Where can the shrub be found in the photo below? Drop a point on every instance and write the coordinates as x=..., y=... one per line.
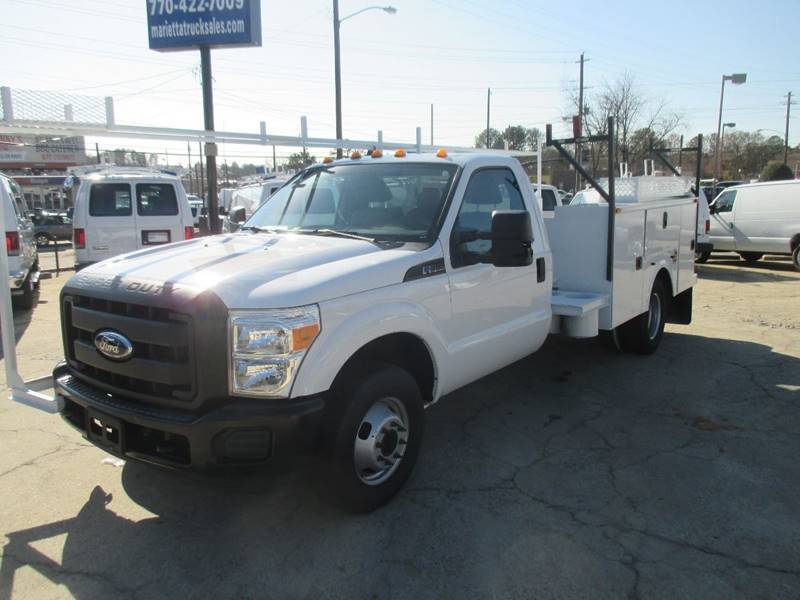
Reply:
x=775, y=171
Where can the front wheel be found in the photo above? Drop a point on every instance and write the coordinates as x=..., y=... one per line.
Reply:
x=751, y=257
x=42, y=239
x=643, y=334
x=377, y=438
x=796, y=258
x=27, y=299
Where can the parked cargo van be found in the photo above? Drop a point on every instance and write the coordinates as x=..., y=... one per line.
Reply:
x=119, y=210
x=23, y=258
x=757, y=219
x=250, y=197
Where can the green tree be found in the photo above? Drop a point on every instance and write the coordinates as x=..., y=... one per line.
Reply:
x=775, y=171
x=300, y=160
x=495, y=139
x=516, y=136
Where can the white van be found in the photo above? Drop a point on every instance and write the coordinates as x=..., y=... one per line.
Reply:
x=197, y=207
x=757, y=219
x=703, y=247
x=118, y=210
x=550, y=198
x=23, y=258
x=250, y=197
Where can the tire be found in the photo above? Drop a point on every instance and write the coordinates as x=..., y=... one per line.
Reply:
x=702, y=257
x=642, y=334
x=376, y=439
x=796, y=258
x=751, y=257
x=42, y=239
x=28, y=297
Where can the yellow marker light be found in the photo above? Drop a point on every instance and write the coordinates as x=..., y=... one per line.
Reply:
x=400, y=153
x=302, y=337
x=376, y=154
x=327, y=159
x=355, y=155
x=441, y=153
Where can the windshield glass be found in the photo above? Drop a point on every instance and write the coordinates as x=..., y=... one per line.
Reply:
x=389, y=201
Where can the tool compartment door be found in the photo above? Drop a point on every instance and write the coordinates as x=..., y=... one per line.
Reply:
x=662, y=242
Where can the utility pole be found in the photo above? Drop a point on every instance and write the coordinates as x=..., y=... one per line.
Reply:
x=786, y=135
x=338, y=75
x=578, y=151
x=210, y=147
x=202, y=174
x=274, y=160
x=488, y=114
x=97, y=151
x=431, y=124
x=189, y=154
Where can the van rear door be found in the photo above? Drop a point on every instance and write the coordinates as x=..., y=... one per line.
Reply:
x=110, y=223
x=158, y=218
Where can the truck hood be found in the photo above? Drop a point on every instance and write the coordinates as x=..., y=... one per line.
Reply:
x=261, y=270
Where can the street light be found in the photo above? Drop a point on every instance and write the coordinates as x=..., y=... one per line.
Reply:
x=735, y=79
x=336, y=55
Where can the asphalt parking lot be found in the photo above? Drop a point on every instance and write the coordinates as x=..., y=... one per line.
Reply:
x=575, y=473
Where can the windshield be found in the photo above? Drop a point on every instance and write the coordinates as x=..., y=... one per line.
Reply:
x=389, y=201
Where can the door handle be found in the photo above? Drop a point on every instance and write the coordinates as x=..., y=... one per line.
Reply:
x=731, y=224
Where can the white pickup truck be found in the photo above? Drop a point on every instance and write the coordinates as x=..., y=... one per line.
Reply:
x=360, y=294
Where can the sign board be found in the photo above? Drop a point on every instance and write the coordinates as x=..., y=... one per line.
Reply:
x=189, y=24
x=25, y=151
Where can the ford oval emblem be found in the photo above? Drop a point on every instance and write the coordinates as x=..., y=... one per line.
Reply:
x=113, y=345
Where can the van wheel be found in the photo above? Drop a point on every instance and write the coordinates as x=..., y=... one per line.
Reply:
x=28, y=297
x=751, y=257
x=42, y=239
x=643, y=334
x=796, y=258
x=702, y=257
x=376, y=440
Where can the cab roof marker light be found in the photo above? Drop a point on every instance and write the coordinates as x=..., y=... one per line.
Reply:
x=400, y=153
x=376, y=154
x=355, y=155
x=441, y=153
x=327, y=159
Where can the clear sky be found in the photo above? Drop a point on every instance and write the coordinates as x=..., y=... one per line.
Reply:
x=441, y=52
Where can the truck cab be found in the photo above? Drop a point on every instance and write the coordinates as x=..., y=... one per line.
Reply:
x=364, y=291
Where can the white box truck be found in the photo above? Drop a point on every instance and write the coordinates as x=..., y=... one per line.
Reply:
x=363, y=292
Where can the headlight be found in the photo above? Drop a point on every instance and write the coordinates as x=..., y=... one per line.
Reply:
x=267, y=347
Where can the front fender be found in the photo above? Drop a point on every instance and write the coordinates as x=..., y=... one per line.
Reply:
x=348, y=325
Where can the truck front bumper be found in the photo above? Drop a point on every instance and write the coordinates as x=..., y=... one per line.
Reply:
x=238, y=432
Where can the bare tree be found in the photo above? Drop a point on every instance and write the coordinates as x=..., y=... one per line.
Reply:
x=638, y=119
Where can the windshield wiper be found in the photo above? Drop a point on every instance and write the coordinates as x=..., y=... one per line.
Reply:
x=337, y=233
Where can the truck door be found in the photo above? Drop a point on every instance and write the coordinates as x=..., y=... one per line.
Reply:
x=110, y=222
x=500, y=314
x=723, y=229
x=158, y=218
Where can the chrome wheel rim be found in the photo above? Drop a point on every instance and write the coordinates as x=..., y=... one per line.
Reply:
x=654, y=316
x=381, y=441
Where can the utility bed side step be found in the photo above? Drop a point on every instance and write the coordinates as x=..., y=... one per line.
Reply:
x=577, y=314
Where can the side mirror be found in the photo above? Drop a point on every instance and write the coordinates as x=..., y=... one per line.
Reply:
x=712, y=208
x=512, y=236
x=237, y=215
